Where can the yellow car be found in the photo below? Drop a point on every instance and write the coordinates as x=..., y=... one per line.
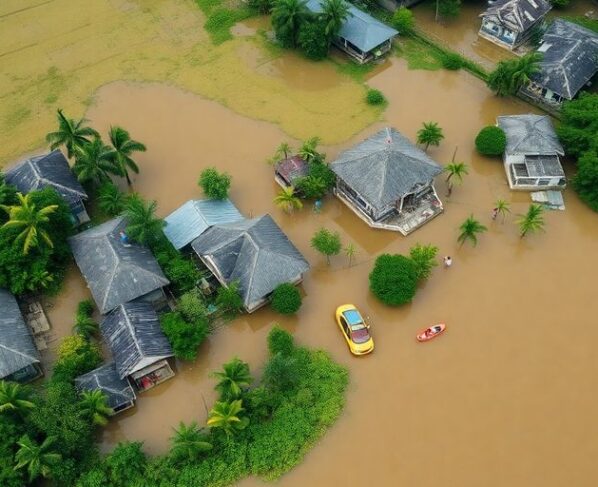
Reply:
x=355, y=330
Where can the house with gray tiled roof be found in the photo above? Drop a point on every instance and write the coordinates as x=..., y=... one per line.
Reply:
x=119, y=393
x=50, y=170
x=255, y=253
x=117, y=270
x=509, y=23
x=19, y=359
x=532, y=154
x=361, y=36
x=388, y=182
x=569, y=62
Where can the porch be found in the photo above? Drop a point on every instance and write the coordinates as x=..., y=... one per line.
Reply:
x=359, y=55
x=152, y=375
x=536, y=171
x=498, y=35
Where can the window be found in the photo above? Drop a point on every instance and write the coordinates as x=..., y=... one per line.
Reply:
x=345, y=326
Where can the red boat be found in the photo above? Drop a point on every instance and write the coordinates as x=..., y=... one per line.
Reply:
x=431, y=332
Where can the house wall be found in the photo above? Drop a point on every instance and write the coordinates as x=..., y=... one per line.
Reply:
x=498, y=33
x=26, y=374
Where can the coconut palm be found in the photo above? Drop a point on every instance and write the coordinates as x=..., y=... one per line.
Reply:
x=15, y=397
x=72, y=134
x=93, y=162
x=470, y=229
x=38, y=459
x=287, y=18
x=110, y=199
x=282, y=152
x=143, y=225
x=226, y=416
x=350, y=252
x=287, y=200
x=523, y=69
x=86, y=327
x=94, y=406
x=188, y=442
x=123, y=147
x=502, y=208
x=39, y=279
x=430, y=134
x=309, y=150
x=31, y=220
x=334, y=14
x=532, y=221
x=455, y=172
x=234, y=376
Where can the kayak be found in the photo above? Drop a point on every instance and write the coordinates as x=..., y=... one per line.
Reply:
x=430, y=332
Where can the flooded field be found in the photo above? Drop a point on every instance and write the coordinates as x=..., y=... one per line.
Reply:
x=505, y=398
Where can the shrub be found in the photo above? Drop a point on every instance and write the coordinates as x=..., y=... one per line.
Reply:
x=192, y=307
x=403, y=21
x=311, y=187
x=579, y=124
x=286, y=299
x=261, y=6
x=491, y=141
x=215, y=185
x=394, y=279
x=110, y=200
x=424, y=257
x=313, y=41
x=560, y=3
x=229, y=300
x=585, y=181
x=452, y=61
x=375, y=97
x=326, y=242
x=280, y=341
x=182, y=272
x=319, y=169
x=185, y=338
x=76, y=356
x=85, y=308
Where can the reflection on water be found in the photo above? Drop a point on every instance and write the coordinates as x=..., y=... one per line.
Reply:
x=501, y=399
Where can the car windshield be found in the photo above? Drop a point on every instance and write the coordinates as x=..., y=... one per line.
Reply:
x=359, y=331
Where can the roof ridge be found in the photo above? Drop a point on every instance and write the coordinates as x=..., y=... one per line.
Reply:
x=54, y=183
x=113, y=272
x=17, y=352
x=132, y=330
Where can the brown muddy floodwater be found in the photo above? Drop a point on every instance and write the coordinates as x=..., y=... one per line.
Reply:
x=505, y=398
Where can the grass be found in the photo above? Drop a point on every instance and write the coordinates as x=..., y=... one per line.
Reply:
x=356, y=71
x=220, y=19
x=418, y=55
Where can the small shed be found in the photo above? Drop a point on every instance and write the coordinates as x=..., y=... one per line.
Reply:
x=139, y=347
x=531, y=157
x=117, y=270
x=19, y=359
x=361, y=36
x=256, y=253
x=388, y=182
x=509, y=23
x=189, y=221
x=569, y=61
x=50, y=170
x=290, y=170
x=119, y=393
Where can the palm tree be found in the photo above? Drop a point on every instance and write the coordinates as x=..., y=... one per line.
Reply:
x=93, y=162
x=334, y=14
x=350, y=252
x=110, y=199
x=532, y=221
x=282, y=152
x=124, y=146
x=188, y=442
x=94, y=406
x=14, y=397
x=287, y=200
x=309, y=150
x=455, y=170
x=32, y=221
x=86, y=327
x=39, y=279
x=226, y=417
x=37, y=458
x=233, y=377
x=469, y=231
x=430, y=134
x=523, y=69
x=287, y=17
x=144, y=227
x=502, y=208
x=72, y=134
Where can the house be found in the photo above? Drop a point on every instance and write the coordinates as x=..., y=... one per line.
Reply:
x=116, y=270
x=119, y=393
x=189, y=221
x=290, y=170
x=509, y=23
x=392, y=5
x=362, y=36
x=139, y=347
x=19, y=359
x=531, y=157
x=51, y=170
x=570, y=60
x=388, y=182
x=256, y=253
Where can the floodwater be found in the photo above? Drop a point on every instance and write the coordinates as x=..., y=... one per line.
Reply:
x=505, y=397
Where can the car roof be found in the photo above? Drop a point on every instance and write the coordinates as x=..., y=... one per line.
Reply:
x=353, y=317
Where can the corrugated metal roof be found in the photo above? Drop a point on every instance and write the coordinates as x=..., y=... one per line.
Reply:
x=518, y=15
x=17, y=350
x=360, y=29
x=105, y=378
x=530, y=134
x=189, y=221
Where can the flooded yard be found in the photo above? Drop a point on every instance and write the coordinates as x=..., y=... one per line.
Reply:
x=505, y=397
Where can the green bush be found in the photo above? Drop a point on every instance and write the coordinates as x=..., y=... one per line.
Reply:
x=424, y=257
x=215, y=185
x=452, y=61
x=311, y=187
x=327, y=243
x=76, y=356
x=375, y=97
x=262, y=6
x=192, y=307
x=313, y=41
x=181, y=271
x=394, y=279
x=229, y=300
x=403, y=21
x=491, y=141
x=585, y=181
x=280, y=341
x=286, y=299
x=579, y=124
x=560, y=3
x=85, y=308
x=184, y=337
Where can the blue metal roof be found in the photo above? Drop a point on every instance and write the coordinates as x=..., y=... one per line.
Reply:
x=360, y=29
x=189, y=221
